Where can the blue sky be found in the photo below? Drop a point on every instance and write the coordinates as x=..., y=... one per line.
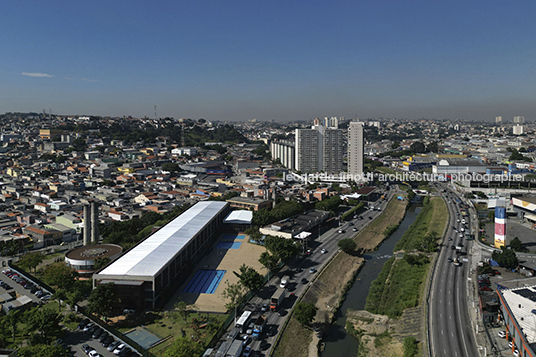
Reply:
x=281, y=60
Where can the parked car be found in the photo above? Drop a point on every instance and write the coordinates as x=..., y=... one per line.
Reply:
x=125, y=352
x=119, y=348
x=86, y=348
x=303, y=281
x=312, y=270
x=323, y=251
x=83, y=323
x=98, y=331
x=246, y=340
x=88, y=326
x=112, y=346
x=107, y=341
x=354, y=229
x=264, y=307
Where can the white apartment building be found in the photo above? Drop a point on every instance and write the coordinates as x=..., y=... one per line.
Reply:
x=355, y=148
x=285, y=151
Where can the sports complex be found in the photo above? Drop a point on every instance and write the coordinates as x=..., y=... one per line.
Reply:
x=191, y=257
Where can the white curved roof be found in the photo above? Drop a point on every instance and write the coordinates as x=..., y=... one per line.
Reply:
x=239, y=217
x=151, y=255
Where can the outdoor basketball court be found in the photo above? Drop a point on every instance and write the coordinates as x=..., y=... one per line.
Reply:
x=143, y=337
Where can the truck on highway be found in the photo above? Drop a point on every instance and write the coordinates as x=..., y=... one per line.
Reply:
x=284, y=281
x=258, y=327
x=243, y=322
x=457, y=262
x=222, y=351
x=277, y=299
x=235, y=350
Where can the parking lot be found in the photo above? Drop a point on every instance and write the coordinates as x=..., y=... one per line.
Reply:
x=23, y=290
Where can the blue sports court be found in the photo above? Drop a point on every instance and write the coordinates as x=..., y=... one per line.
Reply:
x=204, y=282
x=228, y=245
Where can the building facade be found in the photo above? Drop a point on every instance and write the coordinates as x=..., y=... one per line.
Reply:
x=355, y=148
x=319, y=149
x=285, y=151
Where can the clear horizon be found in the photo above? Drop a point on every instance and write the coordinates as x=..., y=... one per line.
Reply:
x=281, y=61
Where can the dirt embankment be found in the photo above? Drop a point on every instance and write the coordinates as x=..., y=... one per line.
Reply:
x=331, y=285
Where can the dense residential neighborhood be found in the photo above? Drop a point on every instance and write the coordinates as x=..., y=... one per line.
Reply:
x=130, y=221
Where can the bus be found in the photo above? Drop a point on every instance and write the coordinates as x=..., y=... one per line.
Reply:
x=243, y=321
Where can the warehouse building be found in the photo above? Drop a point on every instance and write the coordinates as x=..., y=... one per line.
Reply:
x=518, y=310
x=145, y=275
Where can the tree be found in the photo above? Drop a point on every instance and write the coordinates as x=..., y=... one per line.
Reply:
x=30, y=261
x=60, y=275
x=60, y=295
x=417, y=147
x=171, y=167
x=45, y=322
x=433, y=147
x=516, y=245
x=233, y=293
x=305, y=312
x=101, y=299
x=506, y=258
x=101, y=262
x=269, y=261
x=42, y=350
x=184, y=309
x=184, y=347
x=13, y=319
x=429, y=242
x=347, y=245
x=249, y=277
x=280, y=247
x=410, y=346
x=516, y=156
x=74, y=297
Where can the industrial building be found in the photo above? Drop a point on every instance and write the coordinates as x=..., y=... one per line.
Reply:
x=518, y=307
x=146, y=274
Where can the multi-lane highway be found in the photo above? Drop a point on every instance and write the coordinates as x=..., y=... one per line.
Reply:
x=449, y=325
x=300, y=269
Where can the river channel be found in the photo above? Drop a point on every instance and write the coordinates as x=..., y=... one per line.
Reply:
x=338, y=343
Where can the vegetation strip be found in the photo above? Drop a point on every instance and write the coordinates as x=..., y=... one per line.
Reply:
x=331, y=286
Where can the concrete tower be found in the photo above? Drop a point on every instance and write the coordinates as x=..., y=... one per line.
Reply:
x=94, y=222
x=87, y=225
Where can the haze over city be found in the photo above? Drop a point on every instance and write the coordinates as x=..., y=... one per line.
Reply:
x=278, y=60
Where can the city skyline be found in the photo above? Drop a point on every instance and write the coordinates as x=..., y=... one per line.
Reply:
x=271, y=61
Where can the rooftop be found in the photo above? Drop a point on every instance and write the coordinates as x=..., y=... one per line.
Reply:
x=151, y=255
x=522, y=303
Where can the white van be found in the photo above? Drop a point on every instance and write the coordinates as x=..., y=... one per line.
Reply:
x=284, y=281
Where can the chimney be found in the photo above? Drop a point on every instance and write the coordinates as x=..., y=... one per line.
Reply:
x=87, y=225
x=94, y=222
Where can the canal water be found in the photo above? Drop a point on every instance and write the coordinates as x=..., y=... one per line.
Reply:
x=338, y=343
